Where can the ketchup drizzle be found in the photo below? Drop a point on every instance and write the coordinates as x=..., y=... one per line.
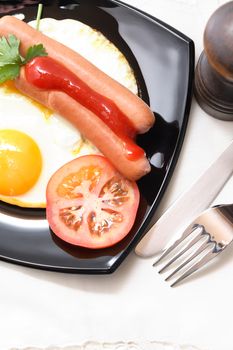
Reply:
x=46, y=73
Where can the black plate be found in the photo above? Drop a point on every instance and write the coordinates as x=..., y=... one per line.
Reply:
x=163, y=61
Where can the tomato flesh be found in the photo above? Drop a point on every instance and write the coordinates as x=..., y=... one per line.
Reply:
x=90, y=204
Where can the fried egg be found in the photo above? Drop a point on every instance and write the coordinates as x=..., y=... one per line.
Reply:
x=34, y=141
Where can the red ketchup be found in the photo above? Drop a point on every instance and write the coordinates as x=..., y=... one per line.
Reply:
x=46, y=73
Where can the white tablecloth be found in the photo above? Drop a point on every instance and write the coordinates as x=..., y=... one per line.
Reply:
x=39, y=308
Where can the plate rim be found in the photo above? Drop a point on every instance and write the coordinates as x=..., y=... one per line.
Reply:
x=176, y=152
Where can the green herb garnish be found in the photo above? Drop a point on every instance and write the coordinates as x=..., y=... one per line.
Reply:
x=11, y=60
x=38, y=17
x=34, y=51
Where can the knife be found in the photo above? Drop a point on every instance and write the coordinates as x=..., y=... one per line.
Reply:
x=190, y=204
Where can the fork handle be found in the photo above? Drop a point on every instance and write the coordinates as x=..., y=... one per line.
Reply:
x=189, y=205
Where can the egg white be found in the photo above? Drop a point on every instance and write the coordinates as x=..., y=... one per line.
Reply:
x=58, y=140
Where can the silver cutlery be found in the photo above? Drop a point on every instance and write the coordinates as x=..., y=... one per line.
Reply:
x=207, y=236
x=189, y=205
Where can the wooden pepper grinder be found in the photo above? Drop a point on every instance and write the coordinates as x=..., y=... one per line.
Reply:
x=213, y=86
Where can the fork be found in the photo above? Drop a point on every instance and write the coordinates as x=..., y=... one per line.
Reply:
x=207, y=236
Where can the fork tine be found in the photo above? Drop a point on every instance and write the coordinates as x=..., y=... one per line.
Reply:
x=185, y=234
x=185, y=249
x=202, y=247
x=209, y=256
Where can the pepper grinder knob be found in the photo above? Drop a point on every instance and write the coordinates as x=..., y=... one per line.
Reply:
x=213, y=87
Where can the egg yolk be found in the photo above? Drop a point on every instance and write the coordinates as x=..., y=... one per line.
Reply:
x=20, y=162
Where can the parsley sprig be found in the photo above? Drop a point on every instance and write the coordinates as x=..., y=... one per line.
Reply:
x=11, y=60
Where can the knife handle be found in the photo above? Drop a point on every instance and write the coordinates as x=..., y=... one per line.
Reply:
x=190, y=204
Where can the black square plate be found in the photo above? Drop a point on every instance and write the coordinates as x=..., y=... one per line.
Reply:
x=163, y=61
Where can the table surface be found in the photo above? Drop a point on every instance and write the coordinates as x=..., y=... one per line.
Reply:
x=40, y=308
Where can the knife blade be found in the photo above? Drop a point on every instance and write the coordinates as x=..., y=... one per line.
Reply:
x=190, y=204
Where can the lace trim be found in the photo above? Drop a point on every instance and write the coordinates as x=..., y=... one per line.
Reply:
x=92, y=345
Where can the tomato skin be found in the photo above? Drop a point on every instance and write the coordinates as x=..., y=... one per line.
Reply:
x=90, y=204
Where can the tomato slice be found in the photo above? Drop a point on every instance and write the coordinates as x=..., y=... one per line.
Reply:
x=90, y=204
